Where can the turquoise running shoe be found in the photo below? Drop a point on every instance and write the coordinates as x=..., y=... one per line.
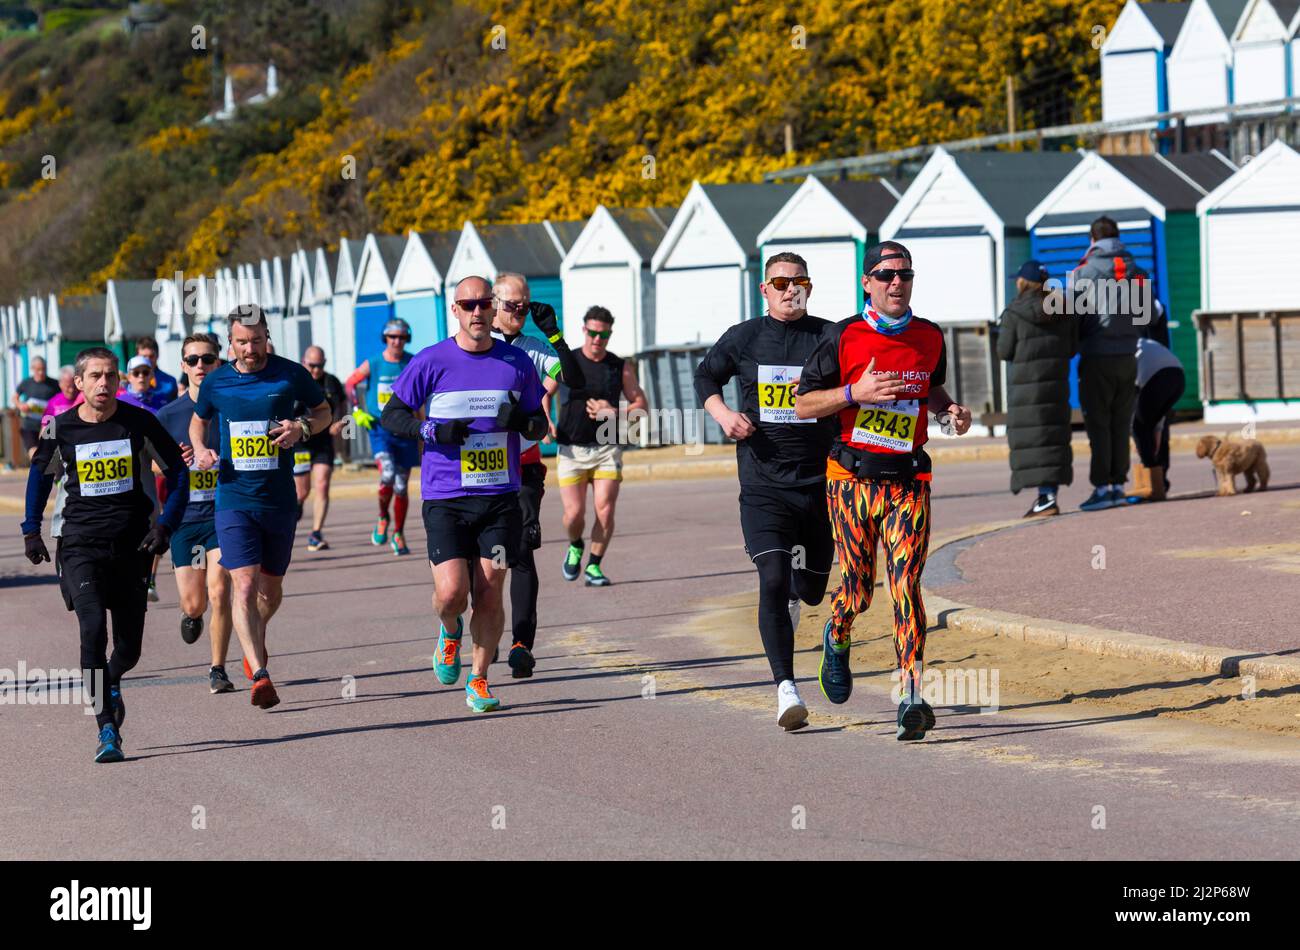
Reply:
x=478, y=697
x=446, y=661
x=835, y=677
x=110, y=745
x=379, y=536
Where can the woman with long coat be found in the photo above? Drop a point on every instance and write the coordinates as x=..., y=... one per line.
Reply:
x=1038, y=345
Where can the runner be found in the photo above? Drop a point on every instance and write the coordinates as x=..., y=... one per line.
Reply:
x=137, y=391
x=66, y=398
x=512, y=302
x=395, y=457
x=880, y=372
x=585, y=454
x=781, y=460
x=255, y=506
x=485, y=395
x=313, y=460
x=100, y=447
x=196, y=556
x=30, y=399
x=163, y=384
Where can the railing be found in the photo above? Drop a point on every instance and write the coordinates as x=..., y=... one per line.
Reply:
x=1248, y=355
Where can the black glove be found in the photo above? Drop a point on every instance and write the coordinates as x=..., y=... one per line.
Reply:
x=544, y=317
x=453, y=432
x=35, y=548
x=510, y=416
x=157, y=540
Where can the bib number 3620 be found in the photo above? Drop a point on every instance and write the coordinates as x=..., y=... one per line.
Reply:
x=251, y=449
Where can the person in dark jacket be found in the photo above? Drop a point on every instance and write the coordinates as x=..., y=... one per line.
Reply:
x=1112, y=296
x=1038, y=345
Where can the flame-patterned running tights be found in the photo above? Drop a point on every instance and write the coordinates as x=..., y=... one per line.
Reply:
x=898, y=515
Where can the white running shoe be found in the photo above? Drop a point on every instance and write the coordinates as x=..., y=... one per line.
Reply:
x=791, y=713
x=795, y=607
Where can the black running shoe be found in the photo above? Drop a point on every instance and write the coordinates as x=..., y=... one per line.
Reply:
x=835, y=677
x=219, y=682
x=913, y=721
x=521, y=662
x=191, y=628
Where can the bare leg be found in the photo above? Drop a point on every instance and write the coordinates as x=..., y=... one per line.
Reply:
x=489, y=617
x=321, y=475
x=247, y=616
x=219, y=597
x=605, y=492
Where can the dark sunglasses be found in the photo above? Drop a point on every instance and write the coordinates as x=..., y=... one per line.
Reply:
x=600, y=334
x=387, y=336
x=781, y=283
x=315, y=365
x=194, y=359
x=475, y=303
x=141, y=372
x=512, y=306
x=886, y=276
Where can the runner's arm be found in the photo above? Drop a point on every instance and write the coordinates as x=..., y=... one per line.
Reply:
x=359, y=376
x=400, y=419
x=164, y=448
x=632, y=390
x=40, y=482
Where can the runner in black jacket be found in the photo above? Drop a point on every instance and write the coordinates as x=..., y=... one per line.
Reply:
x=781, y=462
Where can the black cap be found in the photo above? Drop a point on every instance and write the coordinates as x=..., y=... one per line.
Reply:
x=884, y=251
x=1033, y=271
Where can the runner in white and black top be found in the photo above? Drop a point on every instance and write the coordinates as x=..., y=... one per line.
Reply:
x=103, y=447
x=781, y=461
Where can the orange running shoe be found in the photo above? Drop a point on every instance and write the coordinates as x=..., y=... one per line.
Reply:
x=249, y=671
x=263, y=694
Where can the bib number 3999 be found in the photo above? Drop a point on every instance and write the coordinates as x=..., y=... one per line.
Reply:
x=485, y=460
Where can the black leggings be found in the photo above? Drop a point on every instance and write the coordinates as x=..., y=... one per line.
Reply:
x=1154, y=400
x=776, y=580
x=100, y=578
x=524, y=583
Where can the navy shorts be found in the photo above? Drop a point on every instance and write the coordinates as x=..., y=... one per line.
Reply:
x=250, y=538
x=405, y=453
x=189, y=536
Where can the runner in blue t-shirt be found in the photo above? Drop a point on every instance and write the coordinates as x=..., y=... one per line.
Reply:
x=257, y=504
x=483, y=394
x=196, y=556
x=394, y=456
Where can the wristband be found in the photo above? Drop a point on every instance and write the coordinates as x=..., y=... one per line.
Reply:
x=555, y=339
x=848, y=392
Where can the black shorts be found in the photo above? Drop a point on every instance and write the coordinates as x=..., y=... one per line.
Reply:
x=532, y=487
x=320, y=451
x=29, y=438
x=792, y=520
x=487, y=526
x=114, y=571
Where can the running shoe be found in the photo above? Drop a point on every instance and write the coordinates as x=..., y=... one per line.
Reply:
x=219, y=682
x=153, y=592
x=1118, y=498
x=521, y=661
x=248, y=670
x=379, y=536
x=595, y=577
x=572, y=563
x=263, y=694
x=446, y=658
x=791, y=713
x=795, y=607
x=914, y=719
x=110, y=745
x=1044, y=507
x=191, y=628
x=119, y=706
x=478, y=697
x=1099, y=499
x=316, y=542
x=399, y=544
x=835, y=677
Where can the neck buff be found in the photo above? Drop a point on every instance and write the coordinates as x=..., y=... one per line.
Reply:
x=890, y=326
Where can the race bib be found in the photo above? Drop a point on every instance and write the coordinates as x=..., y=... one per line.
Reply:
x=385, y=393
x=776, y=394
x=203, y=485
x=301, y=462
x=889, y=425
x=484, y=460
x=251, y=449
x=104, y=468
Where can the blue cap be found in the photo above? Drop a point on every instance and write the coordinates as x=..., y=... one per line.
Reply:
x=1033, y=270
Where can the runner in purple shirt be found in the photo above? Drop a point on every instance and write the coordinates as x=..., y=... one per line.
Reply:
x=481, y=394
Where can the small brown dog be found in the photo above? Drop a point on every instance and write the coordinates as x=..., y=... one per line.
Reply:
x=1235, y=457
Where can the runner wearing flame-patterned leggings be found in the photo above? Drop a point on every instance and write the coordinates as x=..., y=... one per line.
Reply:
x=880, y=373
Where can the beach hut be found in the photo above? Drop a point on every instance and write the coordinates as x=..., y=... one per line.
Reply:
x=73, y=324
x=830, y=225
x=1200, y=64
x=534, y=250
x=419, y=285
x=1134, y=57
x=1260, y=51
x=324, y=262
x=1153, y=199
x=297, y=304
x=608, y=265
x=129, y=314
x=342, y=315
x=372, y=294
x=707, y=267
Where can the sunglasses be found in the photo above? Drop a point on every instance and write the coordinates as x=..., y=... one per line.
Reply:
x=475, y=303
x=141, y=372
x=511, y=306
x=387, y=336
x=781, y=283
x=600, y=334
x=315, y=365
x=194, y=359
x=886, y=275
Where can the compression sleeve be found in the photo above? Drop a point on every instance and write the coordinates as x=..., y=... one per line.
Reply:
x=399, y=419
x=359, y=376
x=39, y=485
x=159, y=442
x=716, y=369
x=570, y=368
